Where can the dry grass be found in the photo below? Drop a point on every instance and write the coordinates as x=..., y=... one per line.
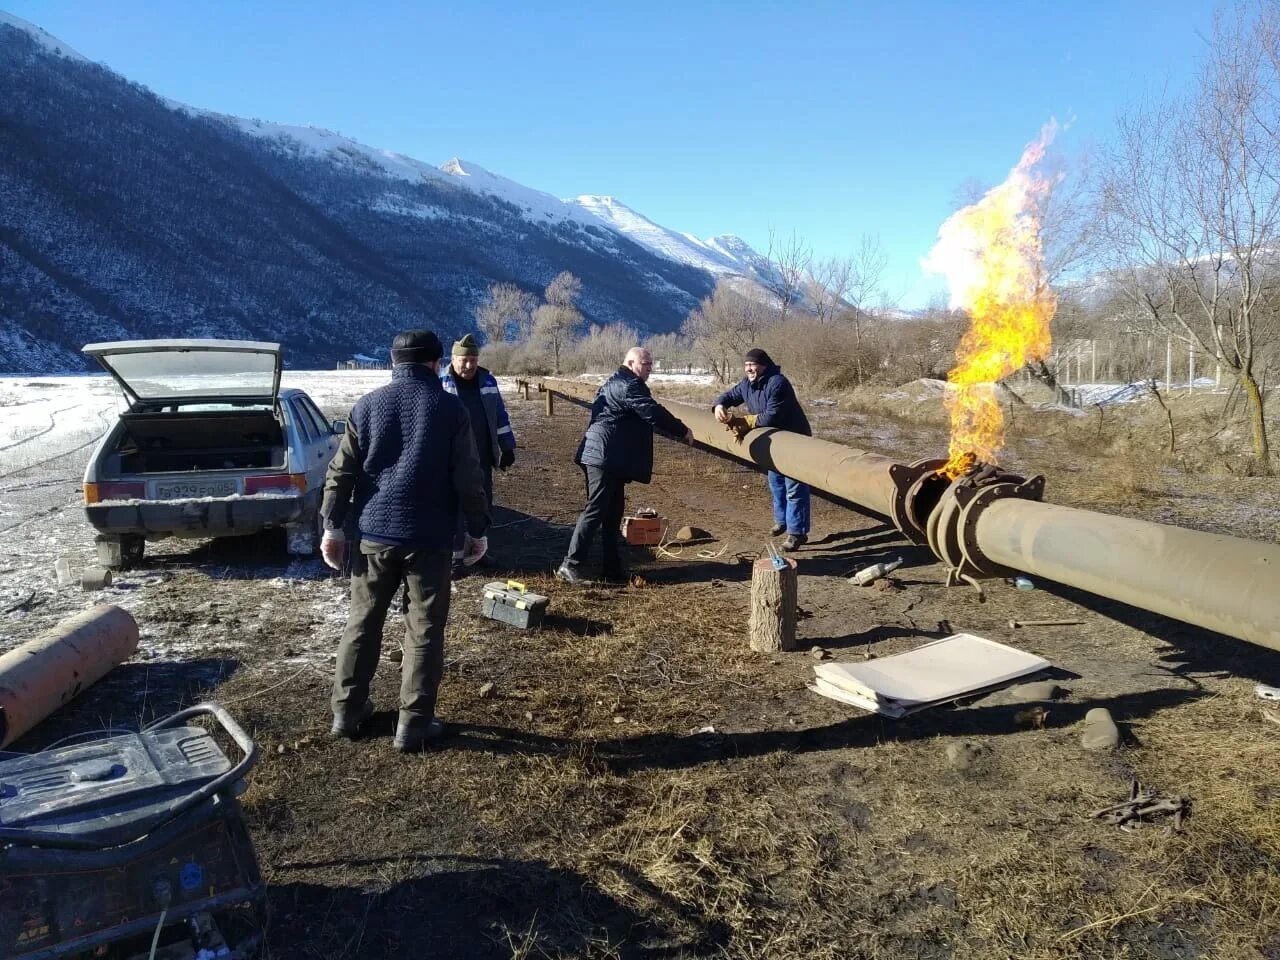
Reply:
x=588, y=810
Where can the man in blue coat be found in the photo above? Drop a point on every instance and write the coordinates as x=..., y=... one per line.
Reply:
x=495, y=441
x=617, y=449
x=406, y=467
x=771, y=402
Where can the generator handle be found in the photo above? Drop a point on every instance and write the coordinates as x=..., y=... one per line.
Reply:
x=42, y=838
x=234, y=730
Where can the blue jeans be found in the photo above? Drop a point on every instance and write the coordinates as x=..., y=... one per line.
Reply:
x=790, y=502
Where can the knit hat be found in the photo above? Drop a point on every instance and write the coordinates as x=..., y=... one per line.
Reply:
x=416, y=346
x=756, y=355
x=466, y=347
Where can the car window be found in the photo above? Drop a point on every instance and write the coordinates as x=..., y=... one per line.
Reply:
x=322, y=425
x=305, y=426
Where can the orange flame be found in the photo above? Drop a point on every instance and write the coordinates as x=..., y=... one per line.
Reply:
x=991, y=255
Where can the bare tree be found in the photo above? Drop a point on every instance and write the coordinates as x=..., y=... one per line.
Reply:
x=723, y=327
x=506, y=313
x=789, y=269
x=866, y=276
x=671, y=350
x=556, y=323
x=1191, y=203
x=603, y=348
x=827, y=286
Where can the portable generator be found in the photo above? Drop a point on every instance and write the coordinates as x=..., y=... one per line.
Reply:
x=130, y=846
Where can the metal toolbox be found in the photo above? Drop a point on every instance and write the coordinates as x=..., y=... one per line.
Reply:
x=510, y=602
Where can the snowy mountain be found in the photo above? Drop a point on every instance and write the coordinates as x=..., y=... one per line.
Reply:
x=126, y=215
x=725, y=256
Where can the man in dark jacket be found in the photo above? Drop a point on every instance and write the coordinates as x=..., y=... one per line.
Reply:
x=406, y=466
x=495, y=441
x=617, y=449
x=771, y=402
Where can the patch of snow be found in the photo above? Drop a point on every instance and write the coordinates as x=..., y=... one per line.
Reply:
x=46, y=40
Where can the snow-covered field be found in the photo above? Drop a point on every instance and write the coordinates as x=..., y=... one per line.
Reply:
x=48, y=429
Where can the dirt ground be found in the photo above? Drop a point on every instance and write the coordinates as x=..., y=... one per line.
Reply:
x=642, y=785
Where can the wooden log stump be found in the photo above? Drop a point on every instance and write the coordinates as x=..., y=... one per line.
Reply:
x=550, y=401
x=772, y=626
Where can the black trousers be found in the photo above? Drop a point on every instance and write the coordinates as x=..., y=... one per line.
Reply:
x=376, y=574
x=606, y=495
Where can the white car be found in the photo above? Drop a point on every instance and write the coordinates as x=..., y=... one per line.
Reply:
x=210, y=446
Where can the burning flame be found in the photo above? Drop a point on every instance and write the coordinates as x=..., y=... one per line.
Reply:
x=991, y=255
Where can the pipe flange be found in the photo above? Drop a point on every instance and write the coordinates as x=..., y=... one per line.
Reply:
x=909, y=480
x=975, y=563
x=943, y=528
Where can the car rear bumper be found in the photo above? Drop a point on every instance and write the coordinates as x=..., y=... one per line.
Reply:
x=209, y=517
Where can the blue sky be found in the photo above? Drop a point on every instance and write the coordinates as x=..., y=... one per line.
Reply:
x=829, y=120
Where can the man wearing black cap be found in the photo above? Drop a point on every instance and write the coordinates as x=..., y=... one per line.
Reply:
x=478, y=390
x=771, y=402
x=406, y=466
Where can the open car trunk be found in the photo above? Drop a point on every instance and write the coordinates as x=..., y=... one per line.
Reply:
x=151, y=442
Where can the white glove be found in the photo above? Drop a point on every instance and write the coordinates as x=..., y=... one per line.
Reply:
x=332, y=547
x=473, y=549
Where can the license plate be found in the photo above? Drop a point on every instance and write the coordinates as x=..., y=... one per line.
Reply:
x=194, y=490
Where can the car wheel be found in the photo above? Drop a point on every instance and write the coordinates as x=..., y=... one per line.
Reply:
x=120, y=553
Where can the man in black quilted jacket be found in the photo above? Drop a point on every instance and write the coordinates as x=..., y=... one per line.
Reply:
x=406, y=467
x=617, y=449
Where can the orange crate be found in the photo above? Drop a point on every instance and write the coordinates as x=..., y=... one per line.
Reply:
x=643, y=531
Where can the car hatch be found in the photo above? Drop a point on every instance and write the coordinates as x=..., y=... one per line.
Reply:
x=159, y=371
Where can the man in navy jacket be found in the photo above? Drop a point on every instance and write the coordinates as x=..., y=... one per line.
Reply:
x=406, y=467
x=617, y=449
x=771, y=402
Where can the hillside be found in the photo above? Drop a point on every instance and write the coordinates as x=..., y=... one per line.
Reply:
x=126, y=215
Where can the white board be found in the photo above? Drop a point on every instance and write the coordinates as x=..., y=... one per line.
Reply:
x=937, y=672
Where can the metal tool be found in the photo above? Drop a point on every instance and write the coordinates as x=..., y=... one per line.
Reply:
x=1015, y=624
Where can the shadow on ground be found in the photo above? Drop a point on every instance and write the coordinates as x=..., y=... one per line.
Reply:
x=131, y=696
x=479, y=908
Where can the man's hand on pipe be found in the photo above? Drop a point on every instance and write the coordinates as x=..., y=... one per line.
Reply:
x=722, y=415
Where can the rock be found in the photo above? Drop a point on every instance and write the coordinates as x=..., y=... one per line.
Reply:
x=1100, y=731
x=528, y=715
x=487, y=691
x=95, y=578
x=692, y=533
x=818, y=653
x=965, y=754
x=62, y=567
x=619, y=719
x=1033, y=718
x=1040, y=690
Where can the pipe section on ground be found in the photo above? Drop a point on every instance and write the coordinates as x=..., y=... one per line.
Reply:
x=992, y=524
x=867, y=479
x=1221, y=583
x=44, y=673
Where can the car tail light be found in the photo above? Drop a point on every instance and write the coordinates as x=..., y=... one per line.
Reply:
x=118, y=490
x=276, y=481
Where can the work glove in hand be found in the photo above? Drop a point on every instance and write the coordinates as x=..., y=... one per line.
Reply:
x=473, y=549
x=740, y=426
x=332, y=547
x=506, y=459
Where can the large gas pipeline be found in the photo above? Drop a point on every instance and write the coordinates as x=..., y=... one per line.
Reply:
x=989, y=523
